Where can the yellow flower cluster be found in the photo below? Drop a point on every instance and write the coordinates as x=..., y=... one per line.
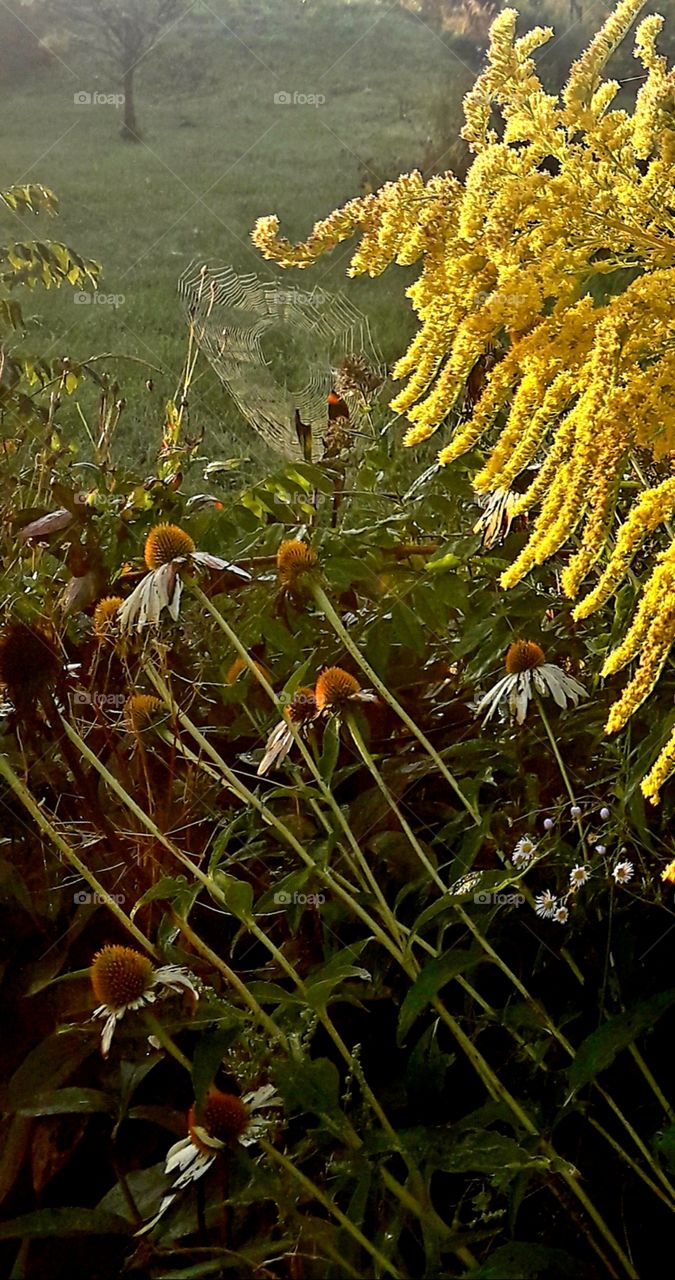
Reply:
x=556, y=256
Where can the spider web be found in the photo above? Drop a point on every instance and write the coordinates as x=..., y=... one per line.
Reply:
x=274, y=348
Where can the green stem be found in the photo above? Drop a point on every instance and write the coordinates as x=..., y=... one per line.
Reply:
x=167, y=1042
x=69, y=854
x=563, y=771
x=330, y=1207
x=259, y=675
x=323, y=603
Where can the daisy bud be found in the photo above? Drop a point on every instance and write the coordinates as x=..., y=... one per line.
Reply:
x=166, y=542
x=605, y=814
x=600, y=848
x=548, y=824
x=575, y=811
x=120, y=975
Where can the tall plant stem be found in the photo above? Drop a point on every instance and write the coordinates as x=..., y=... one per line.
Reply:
x=278, y=1158
x=69, y=854
x=324, y=605
x=535, y=1005
x=259, y=675
x=270, y=817
x=563, y=771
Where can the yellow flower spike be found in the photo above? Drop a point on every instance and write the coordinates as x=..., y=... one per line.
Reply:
x=562, y=196
x=668, y=874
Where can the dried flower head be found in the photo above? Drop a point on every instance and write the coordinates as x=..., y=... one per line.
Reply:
x=222, y=1120
x=523, y=655
x=142, y=710
x=166, y=542
x=30, y=662
x=125, y=980
x=222, y=1116
x=294, y=559
x=302, y=706
x=106, y=615
x=120, y=976
x=335, y=689
x=301, y=710
x=355, y=376
x=169, y=551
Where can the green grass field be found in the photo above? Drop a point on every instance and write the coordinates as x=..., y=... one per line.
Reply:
x=214, y=156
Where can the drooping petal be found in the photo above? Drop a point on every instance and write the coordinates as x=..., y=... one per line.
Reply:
x=279, y=744
x=206, y=561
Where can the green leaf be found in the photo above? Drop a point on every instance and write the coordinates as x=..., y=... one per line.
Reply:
x=236, y=894
x=433, y=977
x=53, y=1059
x=598, y=1051
x=522, y=1261
x=67, y=1102
x=208, y=1055
x=330, y=749
x=63, y=1222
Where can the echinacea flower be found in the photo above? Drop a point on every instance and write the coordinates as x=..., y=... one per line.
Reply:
x=301, y=711
x=668, y=874
x=623, y=872
x=106, y=617
x=125, y=980
x=561, y=915
x=523, y=852
x=295, y=559
x=336, y=690
x=545, y=904
x=529, y=673
x=578, y=876
x=169, y=550
x=223, y=1120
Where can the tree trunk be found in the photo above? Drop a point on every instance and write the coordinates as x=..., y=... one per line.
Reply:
x=129, y=130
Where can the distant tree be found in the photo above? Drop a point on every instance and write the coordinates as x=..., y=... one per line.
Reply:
x=468, y=19
x=124, y=32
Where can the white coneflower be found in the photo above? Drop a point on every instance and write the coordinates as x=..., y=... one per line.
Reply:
x=168, y=551
x=528, y=673
x=578, y=876
x=545, y=904
x=124, y=980
x=623, y=872
x=222, y=1120
x=301, y=711
x=523, y=852
x=561, y=915
x=336, y=691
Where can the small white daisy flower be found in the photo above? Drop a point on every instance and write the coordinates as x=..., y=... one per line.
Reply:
x=523, y=852
x=168, y=550
x=528, y=673
x=578, y=876
x=545, y=904
x=223, y=1120
x=623, y=872
x=561, y=915
x=125, y=980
